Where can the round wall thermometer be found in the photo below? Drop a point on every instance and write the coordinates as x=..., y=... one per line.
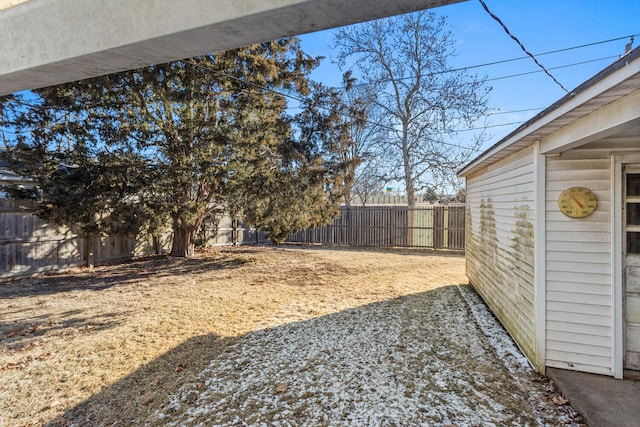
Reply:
x=577, y=202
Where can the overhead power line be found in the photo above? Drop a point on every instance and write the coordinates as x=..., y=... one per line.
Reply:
x=381, y=126
x=484, y=5
x=292, y=97
x=466, y=67
x=519, y=58
x=549, y=52
x=509, y=76
x=525, y=110
x=284, y=94
x=552, y=68
x=499, y=125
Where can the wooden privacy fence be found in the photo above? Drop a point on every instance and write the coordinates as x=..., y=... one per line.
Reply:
x=222, y=230
x=30, y=245
x=434, y=226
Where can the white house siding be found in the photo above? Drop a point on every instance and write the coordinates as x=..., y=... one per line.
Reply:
x=578, y=266
x=499, y=242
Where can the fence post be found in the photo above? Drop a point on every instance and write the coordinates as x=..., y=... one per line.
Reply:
x=347, y=219
x=438, y=227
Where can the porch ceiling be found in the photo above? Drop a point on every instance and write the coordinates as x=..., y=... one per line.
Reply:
x=47, y=42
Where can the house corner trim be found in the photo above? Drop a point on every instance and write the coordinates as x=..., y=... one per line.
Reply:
x=540, y=257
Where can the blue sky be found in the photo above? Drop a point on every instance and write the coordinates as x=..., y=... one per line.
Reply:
x=542, y=26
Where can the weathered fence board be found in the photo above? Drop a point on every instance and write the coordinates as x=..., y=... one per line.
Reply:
x=438, y=227
x=30, y=245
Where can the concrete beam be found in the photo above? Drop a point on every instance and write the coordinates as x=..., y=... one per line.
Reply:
x=47, y=42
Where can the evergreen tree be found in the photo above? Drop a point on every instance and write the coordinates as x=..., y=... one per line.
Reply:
x=309, y=173
x=174, y=141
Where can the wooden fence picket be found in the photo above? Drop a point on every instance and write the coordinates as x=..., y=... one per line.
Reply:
x=29, y=245
x=434, y=226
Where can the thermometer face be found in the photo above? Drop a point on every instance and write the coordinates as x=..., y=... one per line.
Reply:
x=577, y=202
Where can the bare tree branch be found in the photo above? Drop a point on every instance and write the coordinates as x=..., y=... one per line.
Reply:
x=405, y=60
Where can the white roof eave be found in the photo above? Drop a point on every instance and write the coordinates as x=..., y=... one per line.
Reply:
x=542, y=124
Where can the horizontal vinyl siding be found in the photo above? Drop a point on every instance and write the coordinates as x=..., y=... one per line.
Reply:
x=580, y=362
x=578, y=267
x=499, y=243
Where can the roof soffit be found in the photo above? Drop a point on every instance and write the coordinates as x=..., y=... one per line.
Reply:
x=614, y=83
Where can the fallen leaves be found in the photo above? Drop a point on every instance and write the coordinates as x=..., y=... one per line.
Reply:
x=281, y=387
x=21, y=331
x=16, y=332
x=559, y=400
x=22, y=363
x=61, y=422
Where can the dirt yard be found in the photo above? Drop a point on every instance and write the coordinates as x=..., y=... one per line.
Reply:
x=283, y=336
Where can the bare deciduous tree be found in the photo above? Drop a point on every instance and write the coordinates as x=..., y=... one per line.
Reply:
x=364, y=167
x=405, y=61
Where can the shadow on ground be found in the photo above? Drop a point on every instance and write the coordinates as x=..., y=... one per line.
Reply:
x=422, y=359
x=417, y=251
x=128, y=272
x=138, y=395
x=29, y=330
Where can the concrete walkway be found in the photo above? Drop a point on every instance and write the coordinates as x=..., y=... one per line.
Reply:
x=603, y=401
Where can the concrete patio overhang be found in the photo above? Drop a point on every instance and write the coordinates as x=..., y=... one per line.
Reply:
x=47, y=42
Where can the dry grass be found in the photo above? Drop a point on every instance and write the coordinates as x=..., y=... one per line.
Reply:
x=107, y=346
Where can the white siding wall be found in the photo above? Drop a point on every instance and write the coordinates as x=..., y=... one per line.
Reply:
x=578, y=266
x=499, y=243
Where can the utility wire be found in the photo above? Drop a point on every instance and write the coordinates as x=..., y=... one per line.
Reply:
x=469, y=67
x=292, y=97
x=504, y=61
x=552, y=68
x=573, y=64
x=26, y=104
x=495, y=113
x=484, y=5
x=295, y=98
x=490, y=126
x=385, y=127
x=393, y=129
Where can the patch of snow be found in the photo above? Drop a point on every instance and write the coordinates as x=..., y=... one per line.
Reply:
x=495, y=333
x=417, y=360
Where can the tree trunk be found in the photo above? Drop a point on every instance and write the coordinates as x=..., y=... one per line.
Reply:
x=91, y=248
x=411, y=194
x=156, y=243
x=234, y=231
x=184, y=240
x=348, y=194
x=408, y=167
x=410, y=214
